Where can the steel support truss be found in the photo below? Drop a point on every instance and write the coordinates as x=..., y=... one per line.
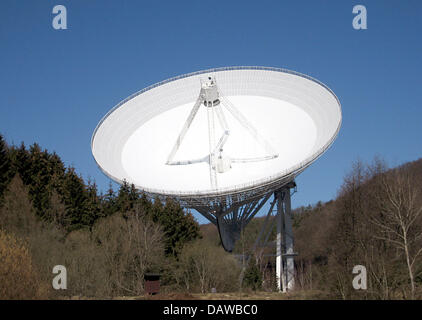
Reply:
x=231, y=220
x=279, y=216
x=232, y=212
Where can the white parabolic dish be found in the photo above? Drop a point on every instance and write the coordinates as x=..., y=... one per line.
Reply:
x=299, y=117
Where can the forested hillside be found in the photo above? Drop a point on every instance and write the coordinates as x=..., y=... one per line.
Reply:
x=59, y=195
x=375, y=221
x=50, y=216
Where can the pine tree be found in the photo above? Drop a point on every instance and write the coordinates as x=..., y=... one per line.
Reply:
x=157, y=210
x=145, y=203
x=57, y=170
x=51, y=186
x=179, y=226
x=21, y=163
x=93, y=202
x=253, y=277
x=127, y=197
x=39, y=179
x=108, y=202
x=5, y=167
x=76, y=201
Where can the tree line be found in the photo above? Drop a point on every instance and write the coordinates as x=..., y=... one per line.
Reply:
x=60, y=196
x=375, y=221
x=50, y=216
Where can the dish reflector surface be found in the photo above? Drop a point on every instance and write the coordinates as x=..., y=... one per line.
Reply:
x=298, y=116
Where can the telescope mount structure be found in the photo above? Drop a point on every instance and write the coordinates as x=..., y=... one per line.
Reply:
x=227, y=142
x=230, y=213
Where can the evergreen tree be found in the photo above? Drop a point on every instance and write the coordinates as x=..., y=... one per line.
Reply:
x=76, y=201
x=59, y=195
x=93, y=202
x=156, y=209
x=145, y=203
x=39, y=179
x=126, y=198
x=57, y=170
x=5, y=166
x=21, y=163
x=253, y=277
x=179, y=226
x=108, y=202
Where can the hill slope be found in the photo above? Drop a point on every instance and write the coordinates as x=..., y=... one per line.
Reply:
x=361, y=226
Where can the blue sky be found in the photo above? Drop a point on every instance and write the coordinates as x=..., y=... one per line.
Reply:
x=55, y=85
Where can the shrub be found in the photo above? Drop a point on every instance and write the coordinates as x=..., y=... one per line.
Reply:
x=19, y=279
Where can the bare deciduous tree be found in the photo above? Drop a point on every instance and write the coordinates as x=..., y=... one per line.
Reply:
x=399, y=217
x=131, y=245
x=207, y=266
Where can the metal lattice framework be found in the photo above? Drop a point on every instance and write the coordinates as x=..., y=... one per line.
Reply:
x=211, y=97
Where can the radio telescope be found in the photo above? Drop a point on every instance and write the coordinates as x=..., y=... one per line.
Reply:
x=224, y=142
